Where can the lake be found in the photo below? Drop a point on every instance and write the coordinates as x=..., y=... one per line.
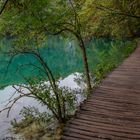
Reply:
x=63, y=57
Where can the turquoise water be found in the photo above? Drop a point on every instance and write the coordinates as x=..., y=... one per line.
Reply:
x=62, y=56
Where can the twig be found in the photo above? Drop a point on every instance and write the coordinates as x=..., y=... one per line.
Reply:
x=101, y=7
x=14, y=101
x=3, y=7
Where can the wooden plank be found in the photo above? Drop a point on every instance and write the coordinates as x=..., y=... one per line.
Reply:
x=112, y=112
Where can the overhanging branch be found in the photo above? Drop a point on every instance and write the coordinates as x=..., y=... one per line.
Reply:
x=3, y=7
x=101, y=7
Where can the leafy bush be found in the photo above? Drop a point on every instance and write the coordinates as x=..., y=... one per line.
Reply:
x=111, y=58
x=29, y=115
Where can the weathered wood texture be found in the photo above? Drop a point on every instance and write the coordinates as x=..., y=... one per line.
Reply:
x=112, y=112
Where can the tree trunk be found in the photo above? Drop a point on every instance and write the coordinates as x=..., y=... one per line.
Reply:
x=53, y=85
x=86, y=67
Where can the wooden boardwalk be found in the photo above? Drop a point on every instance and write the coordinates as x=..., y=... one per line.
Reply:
x=112, y=112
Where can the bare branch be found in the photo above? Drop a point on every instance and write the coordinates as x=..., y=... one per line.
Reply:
x=13, y=103
x=4, y=6
x=101, y=7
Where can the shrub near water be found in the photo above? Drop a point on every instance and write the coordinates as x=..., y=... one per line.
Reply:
x=109, y=59
x=36, y=125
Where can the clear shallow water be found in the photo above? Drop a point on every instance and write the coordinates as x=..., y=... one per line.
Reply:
x=63, y=58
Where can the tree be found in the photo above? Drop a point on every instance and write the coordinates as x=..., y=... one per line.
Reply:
x=26, y=22
x=115, y=18
x=34, y=20
x=60, y=101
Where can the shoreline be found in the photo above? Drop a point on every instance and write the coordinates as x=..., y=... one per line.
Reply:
x=26, y=101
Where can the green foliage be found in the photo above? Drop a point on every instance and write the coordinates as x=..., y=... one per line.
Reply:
x=108, y=60
x=32, y=20
x=101, y=70
x=30, y=115
x=44, y=93
x=114, y=18
x=117, y=18
x=35, y=125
